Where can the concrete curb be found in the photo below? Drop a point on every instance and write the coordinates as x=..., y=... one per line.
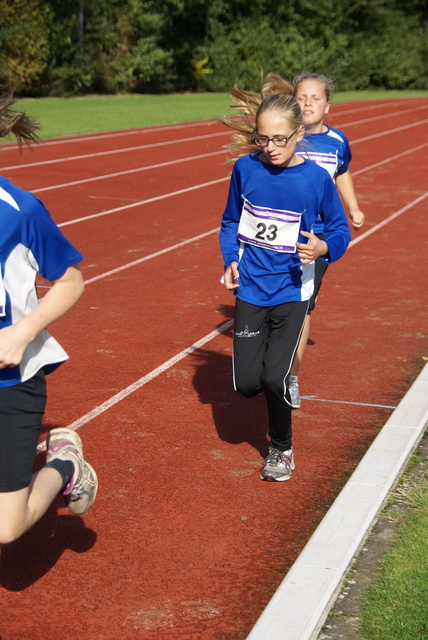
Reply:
x=299, y=607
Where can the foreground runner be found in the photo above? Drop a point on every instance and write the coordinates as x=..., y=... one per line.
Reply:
x=275, y=196
x=31, y=243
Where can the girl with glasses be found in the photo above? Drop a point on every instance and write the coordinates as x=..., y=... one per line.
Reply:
x=275, y=197
x=31, y=243
x=322, y=144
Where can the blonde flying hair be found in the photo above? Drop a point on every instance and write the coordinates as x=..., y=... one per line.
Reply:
x=275, y=93
x=15, y=122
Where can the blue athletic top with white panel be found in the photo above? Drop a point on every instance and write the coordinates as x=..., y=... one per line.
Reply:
x=30, y=243
x=266, y=209
x=329, y=150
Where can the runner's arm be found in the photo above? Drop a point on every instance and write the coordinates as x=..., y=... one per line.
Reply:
x=61, y=297
x=345, y=187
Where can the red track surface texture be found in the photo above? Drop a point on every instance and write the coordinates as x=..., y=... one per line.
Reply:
x=184, y=541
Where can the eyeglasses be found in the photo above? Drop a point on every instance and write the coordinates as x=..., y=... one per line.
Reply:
x=279, y=141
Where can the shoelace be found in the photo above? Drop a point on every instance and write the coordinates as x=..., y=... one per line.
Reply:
x=276, y=457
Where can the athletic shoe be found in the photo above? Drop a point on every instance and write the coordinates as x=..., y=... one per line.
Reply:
x=79, y=494
x=293, y=386
x=278, y=465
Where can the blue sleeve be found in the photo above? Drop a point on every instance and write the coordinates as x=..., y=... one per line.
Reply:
x=49, y=247
x=229, y=242
x=345, y=157
x=336, y=227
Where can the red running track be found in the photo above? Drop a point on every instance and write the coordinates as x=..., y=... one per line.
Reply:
x=184, y=541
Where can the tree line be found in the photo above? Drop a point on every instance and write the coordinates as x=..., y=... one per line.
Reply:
x=63, y=48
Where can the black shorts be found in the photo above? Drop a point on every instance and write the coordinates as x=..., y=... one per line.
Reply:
x=320, y=269
x=21, y=411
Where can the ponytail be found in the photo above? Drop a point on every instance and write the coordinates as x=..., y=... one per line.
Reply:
x=14, y=122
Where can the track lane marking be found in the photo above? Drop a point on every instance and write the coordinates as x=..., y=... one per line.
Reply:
x=201, y=137
x=152, y=255
x=393, y=216
x=141, y=202
x=357, y=404
x=115, y=151
x=216, y=230
x=108, y=176
x=196, y=345
x=142, y=381
x=390, y=159
x=205, y=155
x=389, y=115
x=117, y=134
x=200, y=186
x=386, y=102
x=386, y=133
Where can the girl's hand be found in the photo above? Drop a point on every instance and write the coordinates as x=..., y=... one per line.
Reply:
x=13, y=343
x=312, y=250
x=61, y=297
x=357, y=218
x=231, y=276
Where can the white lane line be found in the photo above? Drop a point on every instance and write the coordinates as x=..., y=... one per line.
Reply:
x=382, y=117
x=370, y=107
x=141, y=202
x=117, y=134
x=389, y=219
x=144, y=380
x=387, y=133
x=108, y=176
x=152, y=255
x=357, y=404
x=115, y=151
x=166, y=365
x=208, y=233
x=174, y=193
x=391, y=159
x=199, y=123
x=226, y=132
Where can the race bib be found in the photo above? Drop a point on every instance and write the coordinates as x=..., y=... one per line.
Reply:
x=272, y=229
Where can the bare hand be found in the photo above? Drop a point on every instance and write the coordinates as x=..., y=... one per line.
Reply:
x=231, y=276
x=12, y=346
x=312, y=250
x=357, y=219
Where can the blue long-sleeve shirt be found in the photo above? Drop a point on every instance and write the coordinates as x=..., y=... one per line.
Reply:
x=266, y=210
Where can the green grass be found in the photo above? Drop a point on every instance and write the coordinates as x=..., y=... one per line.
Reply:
x=71, y=116
x=396, y=606
x=68, y=116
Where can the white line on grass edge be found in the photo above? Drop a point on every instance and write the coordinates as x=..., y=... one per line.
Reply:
x=300, y=606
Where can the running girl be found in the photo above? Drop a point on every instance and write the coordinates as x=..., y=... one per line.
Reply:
x=329, y=148
x=275, y=197
x=31, y=243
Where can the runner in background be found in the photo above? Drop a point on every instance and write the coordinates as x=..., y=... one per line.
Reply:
x=275, y=197
x=31, y=243
x=325, y=145
x=329, y=148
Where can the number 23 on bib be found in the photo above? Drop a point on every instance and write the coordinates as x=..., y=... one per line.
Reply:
x=272, y=229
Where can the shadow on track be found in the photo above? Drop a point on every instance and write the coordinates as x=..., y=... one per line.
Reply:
x=237, y=419
x=25, y=561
